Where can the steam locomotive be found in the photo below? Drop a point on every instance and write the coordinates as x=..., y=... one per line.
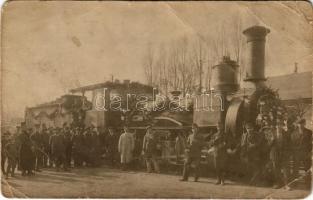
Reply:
x=230, y=103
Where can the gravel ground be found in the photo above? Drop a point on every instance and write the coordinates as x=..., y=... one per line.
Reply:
x=112, y=183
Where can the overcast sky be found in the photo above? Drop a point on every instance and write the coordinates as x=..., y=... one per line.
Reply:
x=50, y=47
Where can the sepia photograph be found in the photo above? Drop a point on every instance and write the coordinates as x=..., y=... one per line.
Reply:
x=156, y=99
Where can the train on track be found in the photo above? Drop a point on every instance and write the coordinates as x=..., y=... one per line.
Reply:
x=229, y=102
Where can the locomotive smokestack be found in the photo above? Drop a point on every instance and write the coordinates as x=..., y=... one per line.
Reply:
x=255, y=54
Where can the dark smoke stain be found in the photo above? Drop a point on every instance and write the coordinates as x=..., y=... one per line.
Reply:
x=76, y=41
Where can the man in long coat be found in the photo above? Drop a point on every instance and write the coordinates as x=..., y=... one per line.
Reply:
x=58, y=148
x=126, y=145
x=26, y=153
x=11, y=151
x=38, y=148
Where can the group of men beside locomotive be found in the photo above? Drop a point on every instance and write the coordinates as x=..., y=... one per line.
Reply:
x=270, y=152
x=32, y=150
x=265, y=150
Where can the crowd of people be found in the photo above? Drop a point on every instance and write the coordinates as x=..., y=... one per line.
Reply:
x=272, y=152
x=62, y=148
x=269, y=150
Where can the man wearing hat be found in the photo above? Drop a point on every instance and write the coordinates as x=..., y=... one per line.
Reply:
x=193, y=153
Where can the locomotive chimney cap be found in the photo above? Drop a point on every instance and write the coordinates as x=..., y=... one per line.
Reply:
x=256, y=32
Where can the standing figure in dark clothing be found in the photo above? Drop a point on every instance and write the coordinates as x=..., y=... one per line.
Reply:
x=26, y=153
x=68, y=147
x=250, y=152
x=95, y=148
x=301, y=148
x=138, y=150
x=88, y=147
x=149, y=150
x=274, y=155
x=220, y=155
x=193, y=153
x=233, y=152
x=38, y=148
x=112, y=147
x=11, y=151
x=267, y=132
x=78, y=145
x=102, y=138
x=46, y=149
x=58, y=148
x=284, y=151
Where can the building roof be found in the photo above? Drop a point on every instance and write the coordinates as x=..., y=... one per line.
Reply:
x=292, y=86
x=111, y=85
x=55, y=102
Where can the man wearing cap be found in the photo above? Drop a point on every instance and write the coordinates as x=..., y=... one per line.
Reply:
x=149, y=150
x=193, y=153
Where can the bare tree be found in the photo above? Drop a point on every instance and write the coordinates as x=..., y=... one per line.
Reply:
x=199, y=53
x=173, y=76
x=300, y=108
x=148, y=64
